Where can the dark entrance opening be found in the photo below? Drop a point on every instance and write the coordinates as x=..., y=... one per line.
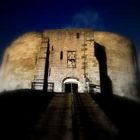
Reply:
x=71, y=87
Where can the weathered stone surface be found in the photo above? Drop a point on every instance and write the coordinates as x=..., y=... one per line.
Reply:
x=120, y=62
x=18, y=66
x=21, y=60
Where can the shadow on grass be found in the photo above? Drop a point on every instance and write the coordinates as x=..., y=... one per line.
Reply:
x=124, y=113
x=20, y=111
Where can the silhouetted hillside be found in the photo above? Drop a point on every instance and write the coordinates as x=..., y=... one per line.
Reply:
x=20, y=111
x=124, y=113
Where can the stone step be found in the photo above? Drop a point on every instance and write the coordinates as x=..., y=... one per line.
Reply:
x=66, y=120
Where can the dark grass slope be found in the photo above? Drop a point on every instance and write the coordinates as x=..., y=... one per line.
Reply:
x=124, y=113
x=20, y=111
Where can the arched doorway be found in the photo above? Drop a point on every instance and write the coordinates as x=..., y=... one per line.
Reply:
x=70, y=85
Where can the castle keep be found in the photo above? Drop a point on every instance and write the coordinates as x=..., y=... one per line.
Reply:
x=79, y=60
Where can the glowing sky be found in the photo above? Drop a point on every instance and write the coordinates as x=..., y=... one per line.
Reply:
x=19, y=16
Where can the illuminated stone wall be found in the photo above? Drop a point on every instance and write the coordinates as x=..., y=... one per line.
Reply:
x=67, y=40
x=121, y=63
x=19, y=63
x=18, y=66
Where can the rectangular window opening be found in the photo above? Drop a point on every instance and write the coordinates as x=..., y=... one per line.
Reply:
x=61, y=55
x=71, y=59
x=77, y=35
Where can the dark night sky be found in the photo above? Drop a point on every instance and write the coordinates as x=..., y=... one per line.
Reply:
x=20, y=16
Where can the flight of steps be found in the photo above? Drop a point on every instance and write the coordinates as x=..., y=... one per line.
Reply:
x=70, y=118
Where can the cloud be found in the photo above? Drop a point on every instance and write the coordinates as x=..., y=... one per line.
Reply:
x=87, y=18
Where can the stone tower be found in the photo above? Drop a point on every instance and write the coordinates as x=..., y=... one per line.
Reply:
x=82, y=60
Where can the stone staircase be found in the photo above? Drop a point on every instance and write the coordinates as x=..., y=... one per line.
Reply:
x=70, y=118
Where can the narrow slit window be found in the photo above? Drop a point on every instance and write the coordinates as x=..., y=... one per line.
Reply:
x=52, y=48
x=36, y=60
x=61, y=55
x=77, y=35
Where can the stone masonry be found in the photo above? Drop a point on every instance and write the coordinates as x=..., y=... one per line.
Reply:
x=72, y=60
